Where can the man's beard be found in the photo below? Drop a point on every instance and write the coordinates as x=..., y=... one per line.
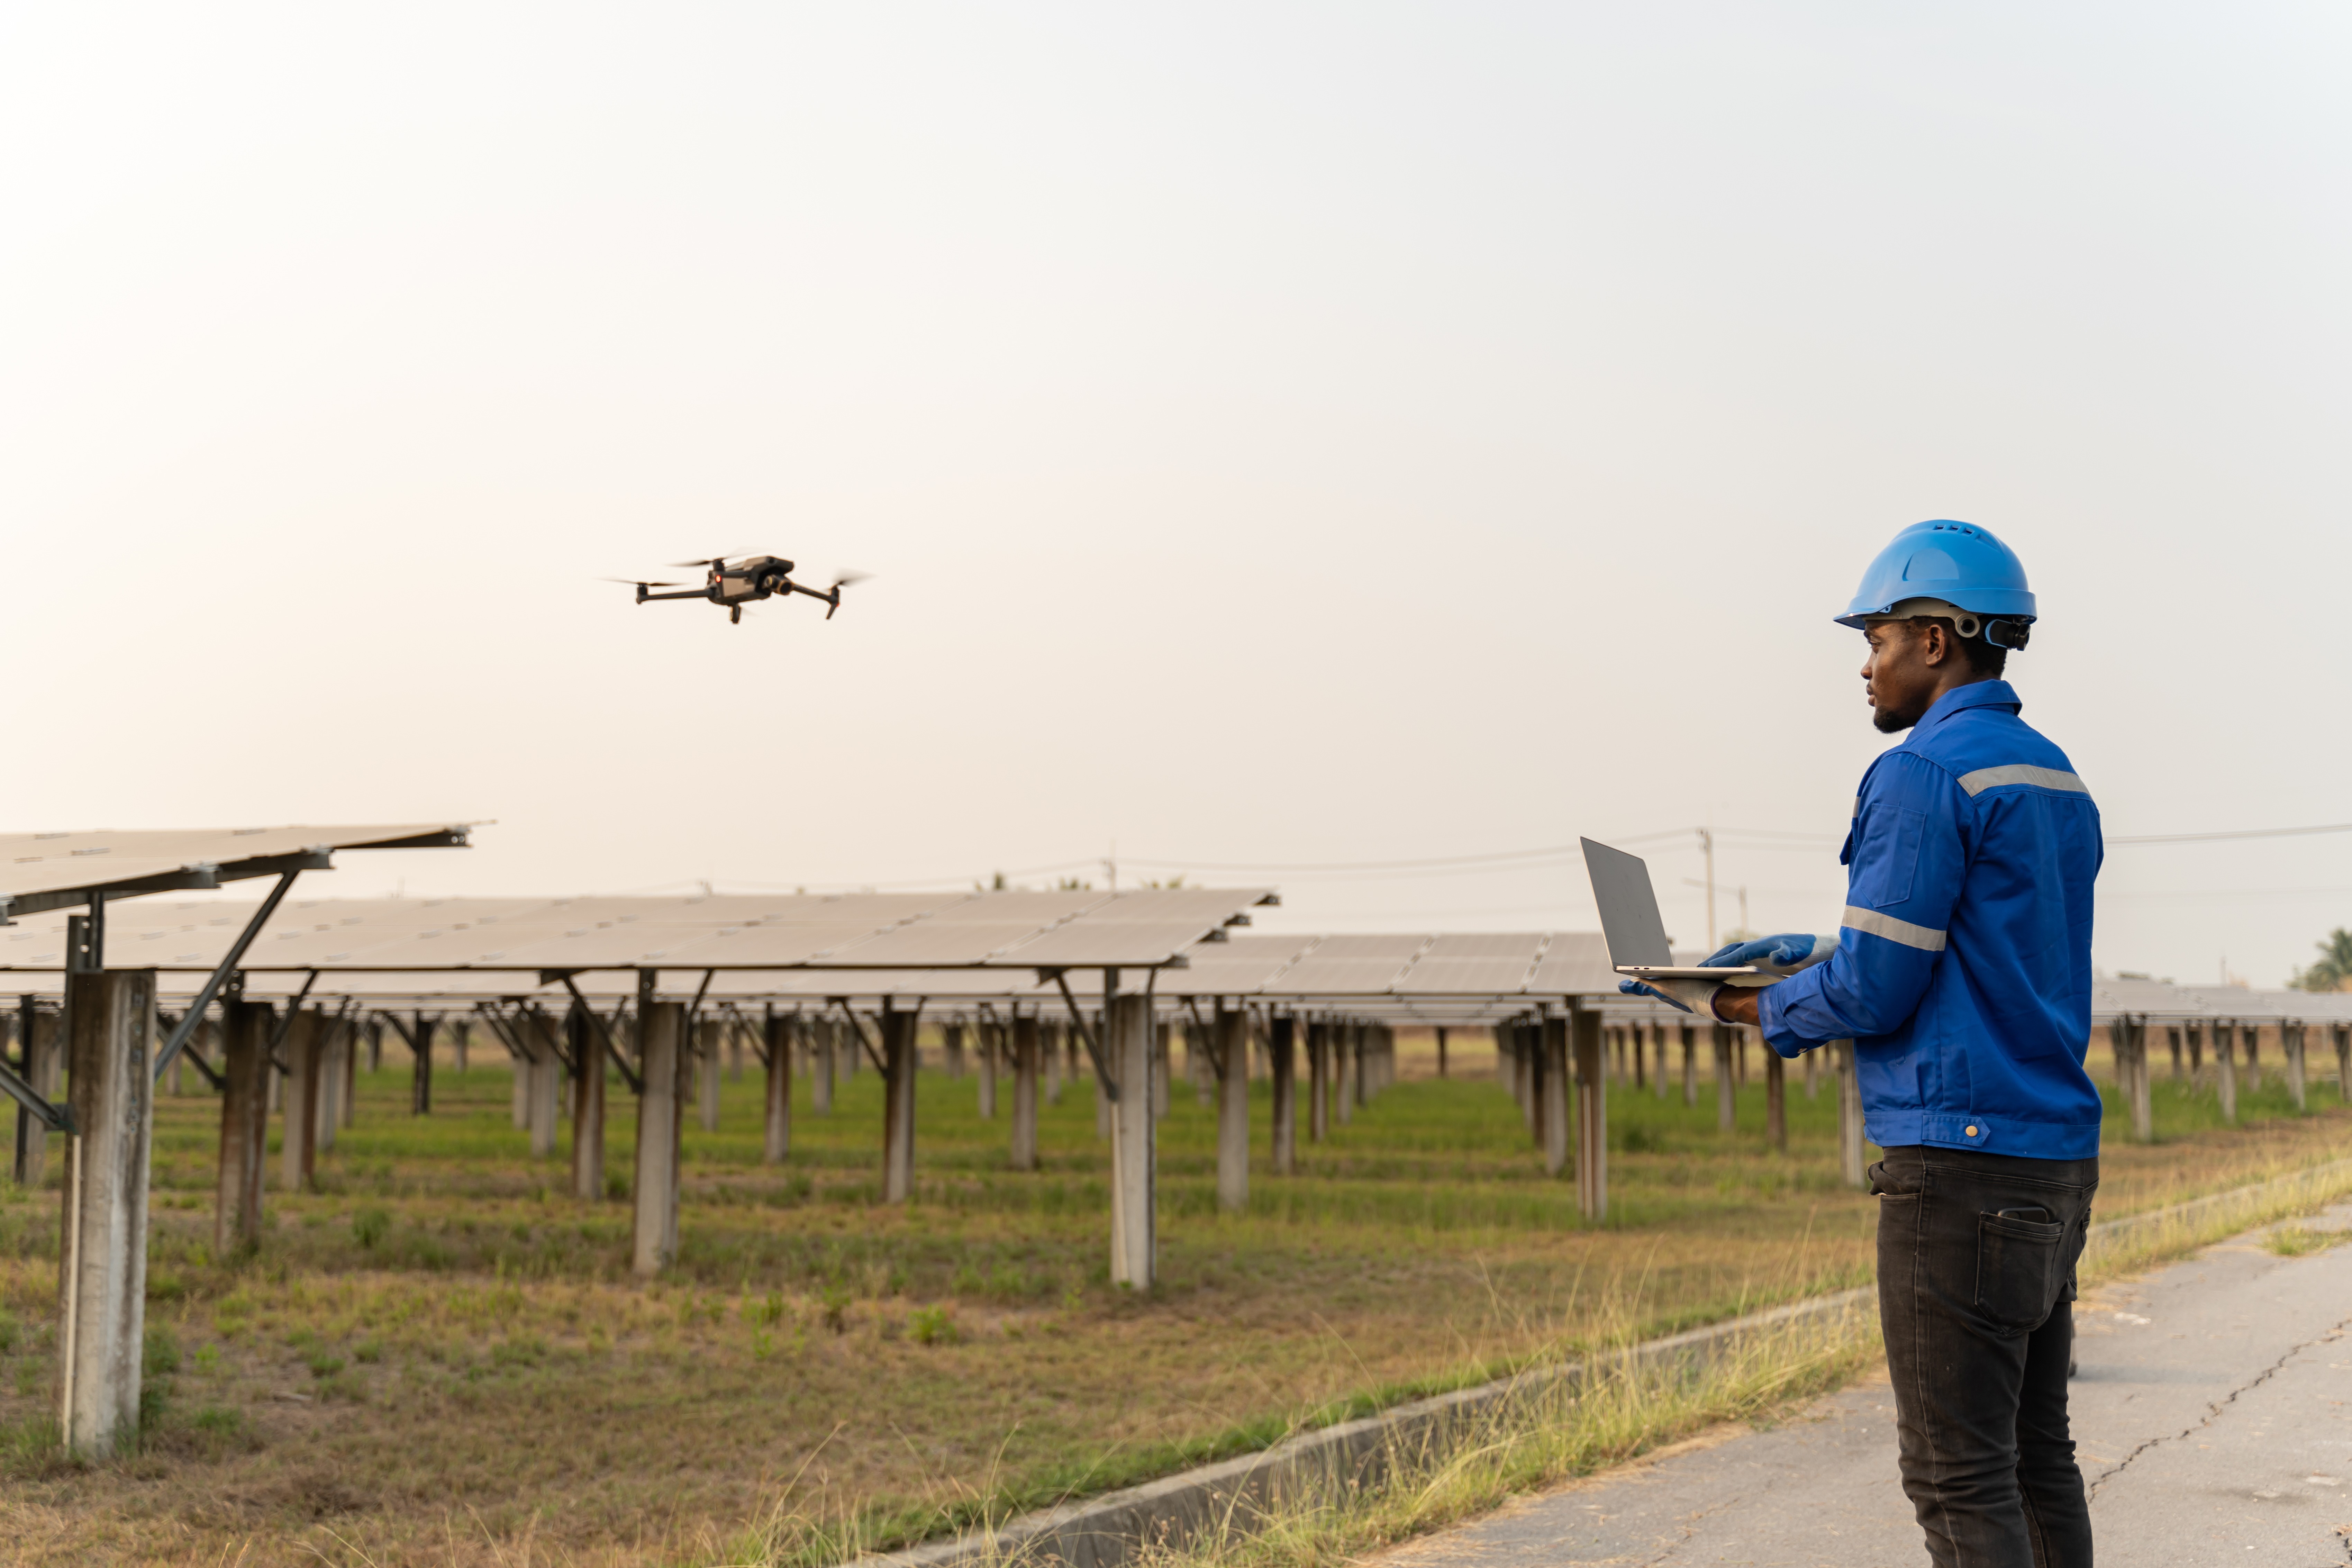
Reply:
x=1887, y=721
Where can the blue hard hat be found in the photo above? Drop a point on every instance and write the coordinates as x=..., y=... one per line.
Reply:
x=1958, y=563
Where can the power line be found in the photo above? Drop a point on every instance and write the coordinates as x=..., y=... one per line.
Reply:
x=2241, y=833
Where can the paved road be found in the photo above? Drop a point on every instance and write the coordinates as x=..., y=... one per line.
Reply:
x=2213, y=1413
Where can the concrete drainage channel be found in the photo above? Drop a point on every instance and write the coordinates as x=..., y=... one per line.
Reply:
x=1113, y=1529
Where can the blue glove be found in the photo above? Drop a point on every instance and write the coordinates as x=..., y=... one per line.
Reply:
x=1688, y=996
x=1775, y=954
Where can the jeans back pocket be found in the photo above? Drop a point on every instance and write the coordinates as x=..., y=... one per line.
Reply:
x=2019, y=1271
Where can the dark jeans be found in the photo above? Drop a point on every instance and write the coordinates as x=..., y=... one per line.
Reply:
x=1975, y=1292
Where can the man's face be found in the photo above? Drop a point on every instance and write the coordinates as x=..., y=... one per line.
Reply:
x=1904, y=672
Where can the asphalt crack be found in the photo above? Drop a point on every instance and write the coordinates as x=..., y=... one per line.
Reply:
x=2213, y=1411
x=1690, y=1527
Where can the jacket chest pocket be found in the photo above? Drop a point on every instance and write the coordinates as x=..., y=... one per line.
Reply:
x=1886, y=855
x=2021, y=1269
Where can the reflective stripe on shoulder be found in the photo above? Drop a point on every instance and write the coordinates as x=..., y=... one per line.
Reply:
x=1921, y=937
x=1984, y=779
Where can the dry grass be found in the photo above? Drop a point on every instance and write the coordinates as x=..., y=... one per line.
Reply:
x=438, y=1359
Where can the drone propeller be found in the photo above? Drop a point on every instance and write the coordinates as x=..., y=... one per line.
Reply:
x=833, y=596
x=713, y=560
x=639, y=583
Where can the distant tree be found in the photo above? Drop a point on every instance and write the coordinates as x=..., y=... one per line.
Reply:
x=2333, y=969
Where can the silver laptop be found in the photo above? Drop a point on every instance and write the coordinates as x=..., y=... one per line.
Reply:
x=1629, y=918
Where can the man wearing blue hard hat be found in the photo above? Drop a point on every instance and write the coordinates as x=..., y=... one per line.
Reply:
x=1961, y=971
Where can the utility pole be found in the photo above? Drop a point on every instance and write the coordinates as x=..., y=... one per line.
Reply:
x=1706, y=842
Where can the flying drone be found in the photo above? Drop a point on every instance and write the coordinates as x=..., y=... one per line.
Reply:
x=751, y=577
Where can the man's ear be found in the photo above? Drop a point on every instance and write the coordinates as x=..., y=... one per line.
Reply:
x=1938, y=641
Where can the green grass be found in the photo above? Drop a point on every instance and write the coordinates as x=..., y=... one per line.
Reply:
x=441, y=1344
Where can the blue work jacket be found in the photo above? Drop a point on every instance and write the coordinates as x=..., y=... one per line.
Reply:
x=1963, y=971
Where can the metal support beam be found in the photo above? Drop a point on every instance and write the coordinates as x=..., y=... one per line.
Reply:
x=217, y=981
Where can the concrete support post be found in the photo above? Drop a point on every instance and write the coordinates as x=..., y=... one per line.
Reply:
x=706, y=1062
x=1641, y=1058
x=1024, y=1053
x=1553, y=1077
x=546, y=1070
x=1690, y=1066
x=992, y=1038
x=1103, y=1118
x=733, y=1029
x=103, y=1247
x=898, y=1061
x=952, y=1042
x=2343, y=1033
x=1161, y=1097
x=420, y=1092
x=333, y=1034
x=2225, y=1071
x=1776, y=1100
x=1200, y=1063
x=1282, y=1081
x=587, y=1052
x=1441, y=1050
x=2194, y=1038
x=661, y=1124
x=1232, y=1064
x=2172, y=1039
x=823, y=1033
x=1592, y=1117
x=1129, y=1043
x=246, y=1029
x=1812, y=1074
x=2253, y=1041
x=1727, y=1089
x=43, y=1049
x=2291, y=1046
x=1319, y=1081
x=2142, y=1109
x=422, y=1085
x=518, y=1095
x=1049, y=1052
x=375, y=1031
x=777, y=1030
x=297, y=1141
x=1851, y=1168
x=461, y=1041
x=1351, y=1065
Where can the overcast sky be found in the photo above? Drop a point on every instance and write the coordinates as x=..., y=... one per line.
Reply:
x=1281, y=434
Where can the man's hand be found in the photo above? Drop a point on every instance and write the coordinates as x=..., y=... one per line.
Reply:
x=1690, y=996
x=1775, y=954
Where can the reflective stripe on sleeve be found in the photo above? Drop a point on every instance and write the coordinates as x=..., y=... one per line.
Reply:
x=1921, y=937
x=1984, y=779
